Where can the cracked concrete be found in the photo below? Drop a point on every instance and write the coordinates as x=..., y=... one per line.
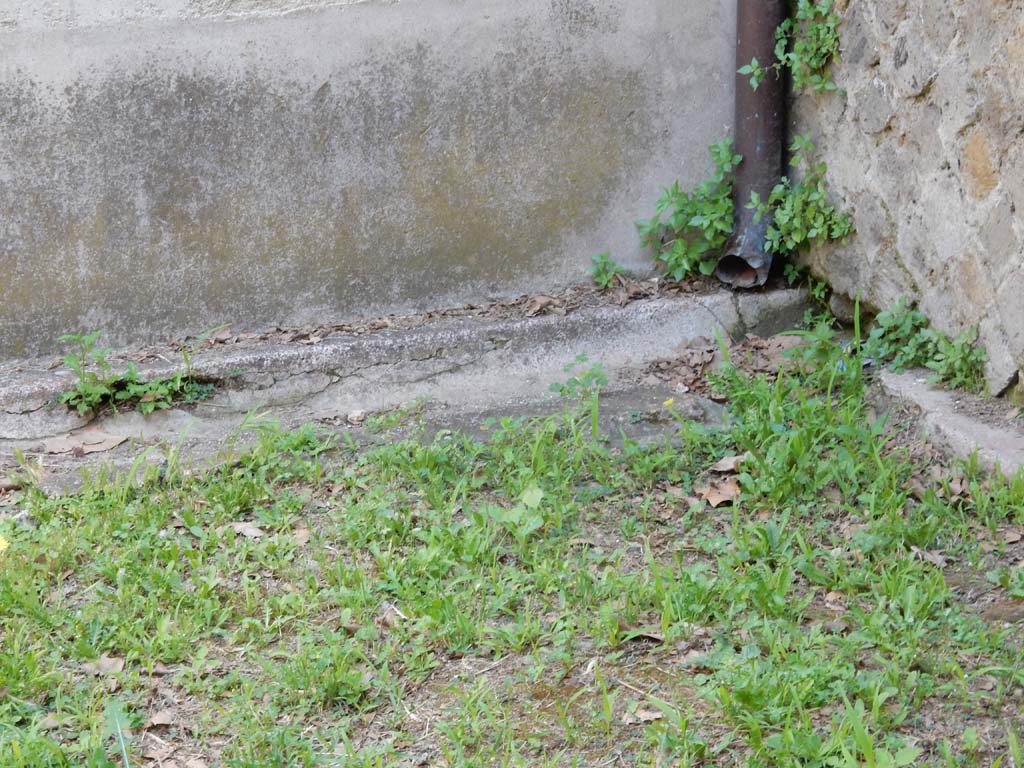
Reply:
x=462, y=367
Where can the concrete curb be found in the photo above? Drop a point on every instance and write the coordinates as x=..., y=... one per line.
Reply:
x=946, y=422
x=468, y=360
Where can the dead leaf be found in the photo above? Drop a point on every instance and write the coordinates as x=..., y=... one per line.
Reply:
x=731, y=464
x=1012, y=535
x=106, y=665
x=932, y=557
x=959, y=487
x=302, y=536
x=159, y=754
x=986, y=683
x=390, y=617
x=248, y=530
x=49, y=723
x=642, y=716
x=836, y=626
x=719, y=493
x=916, y=488
x=692, y=657
x=167, y=716
x=541, y=304
x=645, y=633
x=82, y=442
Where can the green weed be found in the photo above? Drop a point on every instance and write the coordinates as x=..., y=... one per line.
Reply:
x=903, y=338
x=98, y=384
x=806, y=45
x=604, y=271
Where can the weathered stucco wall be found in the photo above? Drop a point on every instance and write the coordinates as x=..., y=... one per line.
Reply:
x=927, y=148
x=169, y=166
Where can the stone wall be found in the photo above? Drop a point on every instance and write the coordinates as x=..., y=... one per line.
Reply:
x=170, y=165
x=926, y=146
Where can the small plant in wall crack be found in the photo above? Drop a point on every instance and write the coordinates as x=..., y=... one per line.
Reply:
x=604, y=271
x=97, y=384
x=806, y=44
x=801, y=212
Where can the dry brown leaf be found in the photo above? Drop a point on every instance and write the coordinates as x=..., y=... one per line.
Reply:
x=916, y=488
x=932, y=557
x=106, y=665
x=642, y=716
x=540, y=304
x=645, y=633
x=167, y=716
x=247, y=529
x=49, y=723
x=390, y=616
x=719, y=493
x=302, y=536
x=82, y=442
x=692, y=657
x=160, y=754
x=1012, y=535
x=731, y=464
x=985, y=683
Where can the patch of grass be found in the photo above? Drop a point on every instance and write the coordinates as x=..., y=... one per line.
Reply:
x=386, y=421
x=535, y=599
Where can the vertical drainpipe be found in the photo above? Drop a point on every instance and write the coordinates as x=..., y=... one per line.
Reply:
x=760, y=138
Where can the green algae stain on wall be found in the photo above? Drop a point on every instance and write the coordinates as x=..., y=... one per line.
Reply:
x=175, y=202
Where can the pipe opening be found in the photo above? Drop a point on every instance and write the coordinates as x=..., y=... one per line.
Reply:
x=737, y=271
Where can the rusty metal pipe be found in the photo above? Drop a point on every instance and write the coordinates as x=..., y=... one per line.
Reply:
x=760, y=138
